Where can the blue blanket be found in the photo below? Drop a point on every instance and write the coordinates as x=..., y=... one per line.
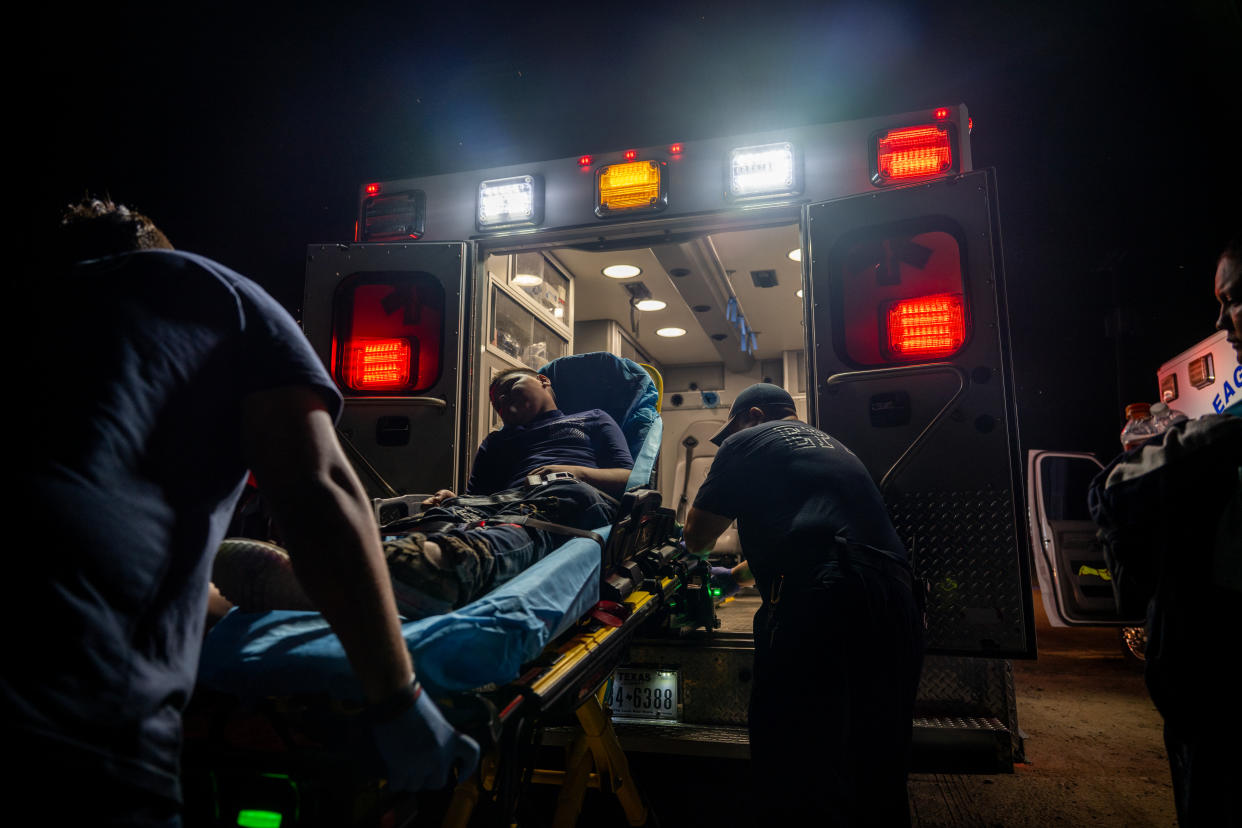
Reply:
x=280, y=653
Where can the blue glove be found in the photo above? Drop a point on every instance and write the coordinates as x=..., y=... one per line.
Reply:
x=723, y=580
x=419, y=747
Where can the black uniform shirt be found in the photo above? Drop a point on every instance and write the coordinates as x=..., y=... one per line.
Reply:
x=793, y=489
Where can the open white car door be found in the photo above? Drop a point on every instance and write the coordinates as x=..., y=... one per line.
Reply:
x=1074, y=581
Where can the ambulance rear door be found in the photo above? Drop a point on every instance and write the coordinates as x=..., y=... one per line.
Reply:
x=1074, y=582
x=911, y=370
x=386, y=319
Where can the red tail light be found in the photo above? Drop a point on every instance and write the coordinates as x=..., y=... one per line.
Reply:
x=374, y=189
x=584, y=161
x=378, y=364
x=926, y=326
x=913, y=152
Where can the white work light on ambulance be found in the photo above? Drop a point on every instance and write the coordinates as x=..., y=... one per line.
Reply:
x=764, y=171
x=510, y=202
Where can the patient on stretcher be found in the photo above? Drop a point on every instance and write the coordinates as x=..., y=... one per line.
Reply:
x=460, y=548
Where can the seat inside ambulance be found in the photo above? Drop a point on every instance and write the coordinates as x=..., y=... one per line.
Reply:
x=695, y=453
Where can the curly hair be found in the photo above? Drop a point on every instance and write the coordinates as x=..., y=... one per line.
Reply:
x=98, y=227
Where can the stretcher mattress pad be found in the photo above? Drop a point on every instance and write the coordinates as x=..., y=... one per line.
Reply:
x=278, y=653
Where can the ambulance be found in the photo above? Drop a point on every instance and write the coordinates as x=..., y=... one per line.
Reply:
x=856, y=264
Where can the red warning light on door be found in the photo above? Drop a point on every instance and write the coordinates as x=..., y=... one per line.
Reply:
x=375, y=364
x=926, y=326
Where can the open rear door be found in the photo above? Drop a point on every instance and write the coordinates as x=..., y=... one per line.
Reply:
x=911, y=370
x=386, y=319
x=1069, y=562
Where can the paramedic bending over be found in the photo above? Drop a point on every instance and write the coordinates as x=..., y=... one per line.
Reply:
x=184, y=374
x=838, y=638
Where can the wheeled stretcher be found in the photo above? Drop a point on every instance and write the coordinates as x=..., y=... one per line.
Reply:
x=278, y=705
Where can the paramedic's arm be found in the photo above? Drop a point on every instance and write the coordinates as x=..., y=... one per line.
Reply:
x=290, y=445
x=702, y=529
x=608, y=480
x=742, y=575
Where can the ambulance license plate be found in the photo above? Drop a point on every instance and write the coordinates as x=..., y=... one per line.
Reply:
x=644, y=693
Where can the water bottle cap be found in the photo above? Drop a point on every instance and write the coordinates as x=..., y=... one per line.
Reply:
x=1138, y=411
x=1159, y=409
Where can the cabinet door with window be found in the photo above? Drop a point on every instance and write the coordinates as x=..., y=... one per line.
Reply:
x=529, y=313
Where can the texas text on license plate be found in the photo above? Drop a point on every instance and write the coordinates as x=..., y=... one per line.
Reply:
x=644, y=693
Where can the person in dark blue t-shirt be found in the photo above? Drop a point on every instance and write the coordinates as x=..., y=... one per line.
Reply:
x=445, y=558
x=159, y=378
x=538, y=438
x=839, y=636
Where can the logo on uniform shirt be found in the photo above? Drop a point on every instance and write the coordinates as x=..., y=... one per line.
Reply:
x=798, y=438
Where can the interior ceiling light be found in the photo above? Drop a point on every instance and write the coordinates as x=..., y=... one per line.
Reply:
x=795, y=254
x=622, y=271
x=671, y=332
x=650, y=304
x=527, y=279
x=799, y=294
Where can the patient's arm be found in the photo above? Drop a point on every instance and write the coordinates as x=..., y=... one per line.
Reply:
x=611, y=481
x=438, y=498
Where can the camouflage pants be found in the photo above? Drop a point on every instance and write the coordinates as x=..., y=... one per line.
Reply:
x=469, y=559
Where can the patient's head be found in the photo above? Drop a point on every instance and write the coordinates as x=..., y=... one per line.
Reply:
x=520, y=394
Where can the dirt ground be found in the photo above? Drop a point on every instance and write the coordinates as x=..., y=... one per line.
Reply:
x=1094, y=752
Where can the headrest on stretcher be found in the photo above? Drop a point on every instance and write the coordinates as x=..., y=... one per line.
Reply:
x=619, y=386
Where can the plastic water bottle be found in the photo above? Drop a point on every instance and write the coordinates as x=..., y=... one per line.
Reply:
x=1162, y=416
x=1139, y=427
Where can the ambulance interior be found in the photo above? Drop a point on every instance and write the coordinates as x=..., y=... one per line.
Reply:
x=666, y=305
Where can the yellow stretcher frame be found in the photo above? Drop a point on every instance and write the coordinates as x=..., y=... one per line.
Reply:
x=595, y=758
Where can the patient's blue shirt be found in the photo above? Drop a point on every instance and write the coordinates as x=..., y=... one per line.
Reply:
x=586, y=438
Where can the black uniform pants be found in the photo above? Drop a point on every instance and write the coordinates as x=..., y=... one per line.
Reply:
x=837, y=663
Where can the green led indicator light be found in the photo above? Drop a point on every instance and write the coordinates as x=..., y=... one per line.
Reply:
x=715, y=592
x=259, y=819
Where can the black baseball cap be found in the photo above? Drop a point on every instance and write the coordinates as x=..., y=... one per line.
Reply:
x=759, y=395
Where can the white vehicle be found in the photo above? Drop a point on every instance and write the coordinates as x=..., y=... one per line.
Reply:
x=856, y=264
x=1206, y=378
x=1073, y=576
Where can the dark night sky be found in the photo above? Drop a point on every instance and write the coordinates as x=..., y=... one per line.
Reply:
x=245, y=131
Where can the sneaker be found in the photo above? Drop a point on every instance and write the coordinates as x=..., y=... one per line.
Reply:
x=422, y=582
x=257, y=576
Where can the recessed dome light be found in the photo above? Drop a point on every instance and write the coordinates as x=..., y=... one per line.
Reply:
x=795, y=254
x=622, y=271
x=671, y=332
x=527, y=279
x=799, y=294
x=650, y=304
